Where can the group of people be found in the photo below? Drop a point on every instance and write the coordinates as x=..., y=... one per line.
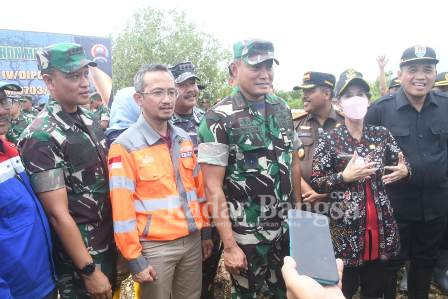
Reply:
x=162, y=188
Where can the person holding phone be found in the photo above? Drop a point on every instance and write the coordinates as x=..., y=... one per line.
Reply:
x=353, y=163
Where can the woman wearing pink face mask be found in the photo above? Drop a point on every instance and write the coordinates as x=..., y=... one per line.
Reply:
x=354, y=163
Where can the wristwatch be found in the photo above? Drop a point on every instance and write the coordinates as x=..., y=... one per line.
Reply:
x=88, y=269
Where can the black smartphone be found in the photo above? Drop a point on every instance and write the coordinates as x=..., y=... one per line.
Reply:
x=311, y=246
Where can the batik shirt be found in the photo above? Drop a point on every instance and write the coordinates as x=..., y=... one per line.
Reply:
x=347, y=209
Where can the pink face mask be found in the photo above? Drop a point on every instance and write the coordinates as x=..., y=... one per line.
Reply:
x=355, y=107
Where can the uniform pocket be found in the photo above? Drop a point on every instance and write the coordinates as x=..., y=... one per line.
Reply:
x=441, y=134
x=401, y=135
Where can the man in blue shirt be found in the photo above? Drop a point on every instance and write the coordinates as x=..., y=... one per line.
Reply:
x=26, y=269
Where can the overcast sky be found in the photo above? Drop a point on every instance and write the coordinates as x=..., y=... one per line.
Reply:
x=328, y=36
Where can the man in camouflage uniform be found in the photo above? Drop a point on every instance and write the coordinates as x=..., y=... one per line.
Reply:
x=187, y=116
x=64, y=152
x=19, y=121
x=248, y=154
x=319, y=117
x=186, y=113
x=100, y=110
x=27, y=106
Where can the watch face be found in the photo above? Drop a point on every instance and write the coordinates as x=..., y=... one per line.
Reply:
x=89, y=269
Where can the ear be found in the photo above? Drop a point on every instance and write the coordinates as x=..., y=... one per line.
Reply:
x=138, y=98
x=48, y=79
x=234, y=69
x=327, y=93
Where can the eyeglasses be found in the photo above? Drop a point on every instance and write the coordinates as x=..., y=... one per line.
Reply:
x=162, y=93
x=6, y=103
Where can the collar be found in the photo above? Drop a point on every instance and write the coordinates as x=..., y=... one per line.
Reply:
x=239, y=102
x=402, y=99
x=150, y=135
x=196, y=114
x=333, y=115
x=67, y=122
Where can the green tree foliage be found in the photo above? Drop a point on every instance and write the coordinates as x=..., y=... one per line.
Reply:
x=293, y=98
x=156, y=36
x=375, y=86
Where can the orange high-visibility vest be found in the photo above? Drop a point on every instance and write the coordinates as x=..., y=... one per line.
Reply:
x=157, y=193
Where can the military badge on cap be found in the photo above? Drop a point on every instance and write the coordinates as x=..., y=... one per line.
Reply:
x=314, y=79
x=184, y=71
x=418, y=53
x=348, y=77
x=64, y=57
x=254, y=51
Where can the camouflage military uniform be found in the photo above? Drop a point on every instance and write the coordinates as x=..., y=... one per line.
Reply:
x=257, y=183
x=189, y=123
x=60, y=149
x=18, y=125
x=102, y=113
x=309, y=129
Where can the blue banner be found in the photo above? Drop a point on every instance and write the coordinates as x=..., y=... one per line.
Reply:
x=18, y=59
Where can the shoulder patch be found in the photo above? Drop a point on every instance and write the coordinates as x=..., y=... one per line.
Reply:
x=385, y=98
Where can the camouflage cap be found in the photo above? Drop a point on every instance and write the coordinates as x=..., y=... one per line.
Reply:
x=26, y=98
x=350, y=76
x=64, y=57
x=418, y=54
x=183, y=71
x=442, y=79
x=254, y=51
x=395, y=82
x=314, y=79
x=9, y=86
x=94, y=96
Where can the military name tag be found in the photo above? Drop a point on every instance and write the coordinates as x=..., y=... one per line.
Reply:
x=305, y=134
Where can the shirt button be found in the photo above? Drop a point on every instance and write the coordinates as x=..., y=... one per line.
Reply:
x=420, y=135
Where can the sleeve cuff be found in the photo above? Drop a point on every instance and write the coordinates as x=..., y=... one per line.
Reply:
x=48, y=180
x=138, y=265
x=213, y=153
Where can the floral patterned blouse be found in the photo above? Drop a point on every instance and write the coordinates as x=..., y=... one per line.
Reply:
x=347, y=201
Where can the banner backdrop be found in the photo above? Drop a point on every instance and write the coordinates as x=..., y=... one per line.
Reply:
x=18, y=59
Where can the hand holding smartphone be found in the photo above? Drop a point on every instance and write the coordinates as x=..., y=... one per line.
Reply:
x=311, y=246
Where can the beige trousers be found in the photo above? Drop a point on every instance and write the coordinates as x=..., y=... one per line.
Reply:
x=178, y=265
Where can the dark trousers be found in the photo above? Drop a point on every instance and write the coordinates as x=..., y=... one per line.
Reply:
x=370, y=276
x=444, y=245
x=420, y=241
x=210, y=266
x=52, y=295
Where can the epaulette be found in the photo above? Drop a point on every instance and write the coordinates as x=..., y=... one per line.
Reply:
x=298, y=114
x=384, y=98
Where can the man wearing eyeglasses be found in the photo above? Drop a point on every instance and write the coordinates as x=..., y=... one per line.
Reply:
x=187, y=116
x=248, y=153
x=157, y=194
x=26, y=269
x=64, y=152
